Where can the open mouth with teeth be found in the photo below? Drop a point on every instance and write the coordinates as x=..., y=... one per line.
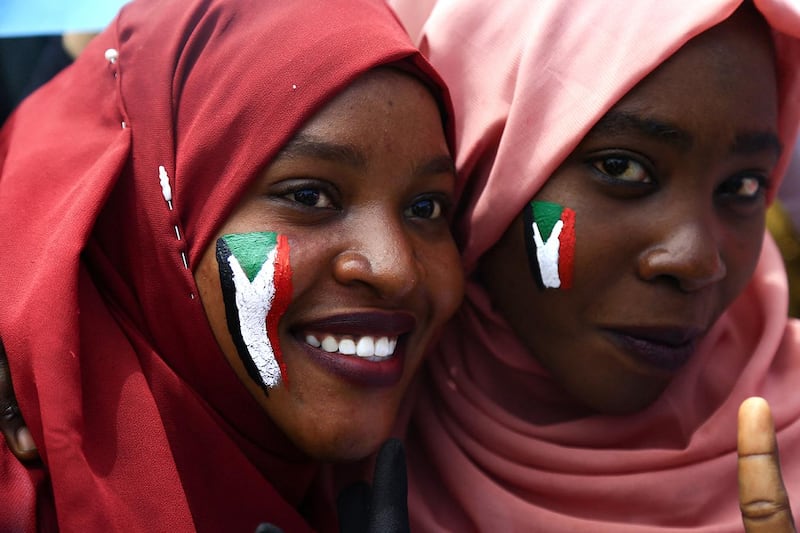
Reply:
x=367, y=349
x=366, y=346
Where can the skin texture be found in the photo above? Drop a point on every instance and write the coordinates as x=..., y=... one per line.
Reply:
x=368, y=233
x=669, y=225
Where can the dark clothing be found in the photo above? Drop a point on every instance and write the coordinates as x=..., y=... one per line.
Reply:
x=25, y=64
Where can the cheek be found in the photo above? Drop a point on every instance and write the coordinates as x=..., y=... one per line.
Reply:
x=506, y=274
x=741, y=252
x=445, y=281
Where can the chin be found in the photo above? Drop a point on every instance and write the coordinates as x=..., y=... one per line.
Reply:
x=345, y=440
x=348, y=449
x=624, y=400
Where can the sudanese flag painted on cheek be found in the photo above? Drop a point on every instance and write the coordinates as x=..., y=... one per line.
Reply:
x=550, y=241
x=256, y=281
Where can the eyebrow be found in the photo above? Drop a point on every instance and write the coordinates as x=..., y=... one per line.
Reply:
x=303, y=145
x=440, y=164
x=757, y=141
x=619, y=122
x=309, y=146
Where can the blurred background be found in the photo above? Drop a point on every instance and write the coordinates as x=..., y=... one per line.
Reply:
x=38, y=38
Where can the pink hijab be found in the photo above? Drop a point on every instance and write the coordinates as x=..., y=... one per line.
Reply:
x=529, y=79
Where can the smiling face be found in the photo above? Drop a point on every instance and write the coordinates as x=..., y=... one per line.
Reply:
x=359, y=198
x=668, y=194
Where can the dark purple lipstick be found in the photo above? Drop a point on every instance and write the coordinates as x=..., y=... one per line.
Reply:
x=364, y=371
x=663, y=348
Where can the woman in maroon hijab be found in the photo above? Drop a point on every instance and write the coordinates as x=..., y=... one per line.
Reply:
x=225, y=248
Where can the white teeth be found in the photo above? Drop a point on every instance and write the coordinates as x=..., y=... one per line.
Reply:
x=365, y=346
x=382, y=347
x=313, y=341
x=329, y=344
x=347, y=347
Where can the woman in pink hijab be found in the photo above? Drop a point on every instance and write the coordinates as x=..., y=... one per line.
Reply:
x=623, y=298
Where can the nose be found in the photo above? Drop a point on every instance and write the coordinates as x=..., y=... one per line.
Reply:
x=379, y=255
x=687, y=253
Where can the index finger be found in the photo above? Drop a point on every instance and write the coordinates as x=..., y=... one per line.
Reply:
x=762, y=496
x=389, y=509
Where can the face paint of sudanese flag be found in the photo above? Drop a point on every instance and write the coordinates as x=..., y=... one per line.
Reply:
x=550, y=241
x=256, y=281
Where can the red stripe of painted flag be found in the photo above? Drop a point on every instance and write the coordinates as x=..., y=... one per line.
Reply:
x=566, y=248
x=283, y=295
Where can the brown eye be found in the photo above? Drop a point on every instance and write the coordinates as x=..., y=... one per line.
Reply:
x=310, y=197
x=623, y=168
x=427, y=208
x=744, y=187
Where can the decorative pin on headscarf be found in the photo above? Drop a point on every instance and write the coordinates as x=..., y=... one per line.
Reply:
x=550, y=241
x=256, y=283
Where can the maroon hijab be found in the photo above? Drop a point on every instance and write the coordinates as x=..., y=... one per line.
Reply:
x=141, y=424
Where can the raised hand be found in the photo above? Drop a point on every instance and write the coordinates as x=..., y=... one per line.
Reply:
x=13, y=427
x=762, y=495
x=384, y=506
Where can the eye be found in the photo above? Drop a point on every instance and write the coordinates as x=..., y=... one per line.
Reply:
x=425, y=208
x=744, y=188
x=623, y=169
x=311, y=197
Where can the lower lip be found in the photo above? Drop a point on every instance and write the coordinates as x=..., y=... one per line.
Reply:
x=654, y=354
x=358, y=371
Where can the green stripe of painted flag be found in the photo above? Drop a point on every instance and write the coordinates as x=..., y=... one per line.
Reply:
x=546, y=214
x=251, y=250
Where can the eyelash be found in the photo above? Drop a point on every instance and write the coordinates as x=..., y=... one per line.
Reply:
x=441, y=207
x=316, y=192
x=730, y=188
x=441, y=204
x=600, y=165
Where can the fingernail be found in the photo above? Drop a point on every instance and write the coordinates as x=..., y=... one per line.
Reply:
x=25, y=440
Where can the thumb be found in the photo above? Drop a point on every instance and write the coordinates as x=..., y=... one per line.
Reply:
x=762, y=495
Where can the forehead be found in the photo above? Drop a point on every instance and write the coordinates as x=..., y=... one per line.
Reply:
x=728, y=71
x=385, y=114
x=380, y=91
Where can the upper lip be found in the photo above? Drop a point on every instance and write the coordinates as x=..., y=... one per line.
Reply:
x=386, y=323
